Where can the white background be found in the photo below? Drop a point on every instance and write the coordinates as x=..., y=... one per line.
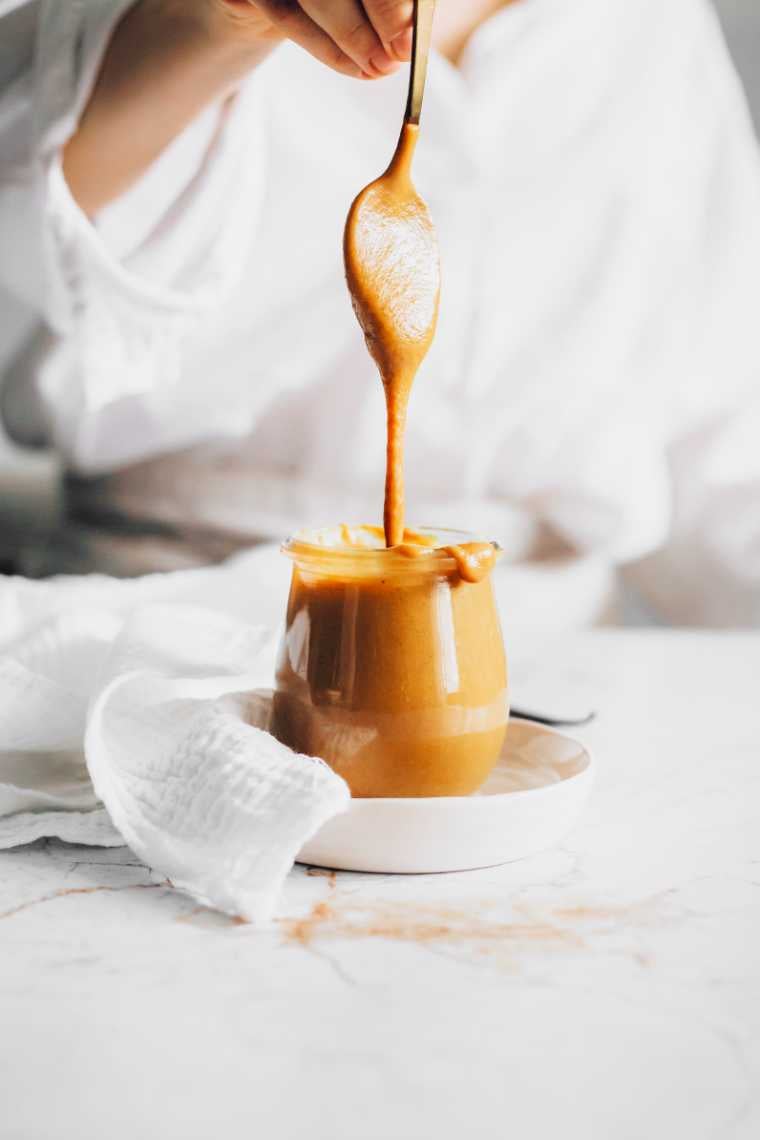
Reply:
x=741, y=21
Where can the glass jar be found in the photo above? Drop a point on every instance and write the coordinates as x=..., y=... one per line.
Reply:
x=391, y=668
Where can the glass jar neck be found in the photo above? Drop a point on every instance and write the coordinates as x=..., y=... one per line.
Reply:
x=358, y=553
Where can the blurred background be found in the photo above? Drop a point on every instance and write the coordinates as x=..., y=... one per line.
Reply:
x=741, y=24
x=28, y=481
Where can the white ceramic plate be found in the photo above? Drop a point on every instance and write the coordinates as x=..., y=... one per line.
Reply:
x=531, y=800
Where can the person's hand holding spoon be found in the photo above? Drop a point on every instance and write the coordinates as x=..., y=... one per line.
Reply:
x=168, y=60
x=363, y=39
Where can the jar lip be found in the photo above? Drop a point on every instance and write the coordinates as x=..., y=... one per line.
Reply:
x=304, y=546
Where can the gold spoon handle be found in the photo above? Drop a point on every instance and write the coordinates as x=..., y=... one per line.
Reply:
x=424, y=10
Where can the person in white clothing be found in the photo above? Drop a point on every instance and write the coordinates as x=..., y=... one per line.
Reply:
x=174, y=179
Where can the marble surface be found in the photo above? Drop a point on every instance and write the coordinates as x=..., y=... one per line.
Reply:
x=609, y=988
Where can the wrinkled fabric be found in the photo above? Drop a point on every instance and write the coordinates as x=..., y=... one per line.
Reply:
x=594, y=178
x=143, y=722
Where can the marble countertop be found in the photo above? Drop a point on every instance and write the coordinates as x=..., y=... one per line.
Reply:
x=609, y=988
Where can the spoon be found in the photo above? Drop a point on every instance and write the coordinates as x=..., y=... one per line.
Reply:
x=424, y=11
x=393, y=275
x=554, y=721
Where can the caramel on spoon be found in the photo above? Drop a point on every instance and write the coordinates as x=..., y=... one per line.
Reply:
x=393, y=274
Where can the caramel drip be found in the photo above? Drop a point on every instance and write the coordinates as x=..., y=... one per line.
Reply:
x=474, y=559
x=393, y=275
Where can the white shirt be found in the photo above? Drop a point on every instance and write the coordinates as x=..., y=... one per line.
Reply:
x=594, y=179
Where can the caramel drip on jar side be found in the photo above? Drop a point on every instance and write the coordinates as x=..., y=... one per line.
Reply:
x=473, y=559
x=393, y=275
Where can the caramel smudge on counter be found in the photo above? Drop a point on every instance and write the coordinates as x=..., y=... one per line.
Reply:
x=637, y=913
x=323, y=873
x=592, y=914
x=567, y=926
x=211, y=917
x=302, y=929
x=416, y=924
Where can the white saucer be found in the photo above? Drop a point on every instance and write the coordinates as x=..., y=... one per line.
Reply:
x=531, y=800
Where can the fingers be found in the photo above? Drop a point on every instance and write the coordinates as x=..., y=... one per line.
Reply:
x=292, y=21
x=392, y=20
x=345, y=21
x=362, y=39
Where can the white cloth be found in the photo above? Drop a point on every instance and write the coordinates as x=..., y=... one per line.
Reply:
x=128, y=717
x=122, y=720
x=595, y=182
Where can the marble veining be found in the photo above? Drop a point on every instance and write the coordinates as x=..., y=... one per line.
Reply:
x=608, y=988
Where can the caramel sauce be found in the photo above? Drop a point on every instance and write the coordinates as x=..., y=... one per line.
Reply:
x=393, y=275
x=395, y=677
x=473, y=559
x=411, y=540
x=398, y=679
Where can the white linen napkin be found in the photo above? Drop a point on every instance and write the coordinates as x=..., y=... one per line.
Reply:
x=128, y=714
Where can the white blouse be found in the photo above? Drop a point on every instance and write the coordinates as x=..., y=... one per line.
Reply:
x=594, y=178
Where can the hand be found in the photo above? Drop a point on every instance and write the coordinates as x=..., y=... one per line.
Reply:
x=363, y=39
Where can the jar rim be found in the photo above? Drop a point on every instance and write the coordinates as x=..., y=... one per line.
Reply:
x=378, y=559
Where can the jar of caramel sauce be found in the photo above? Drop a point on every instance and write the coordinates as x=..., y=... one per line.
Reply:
x=392, y=665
